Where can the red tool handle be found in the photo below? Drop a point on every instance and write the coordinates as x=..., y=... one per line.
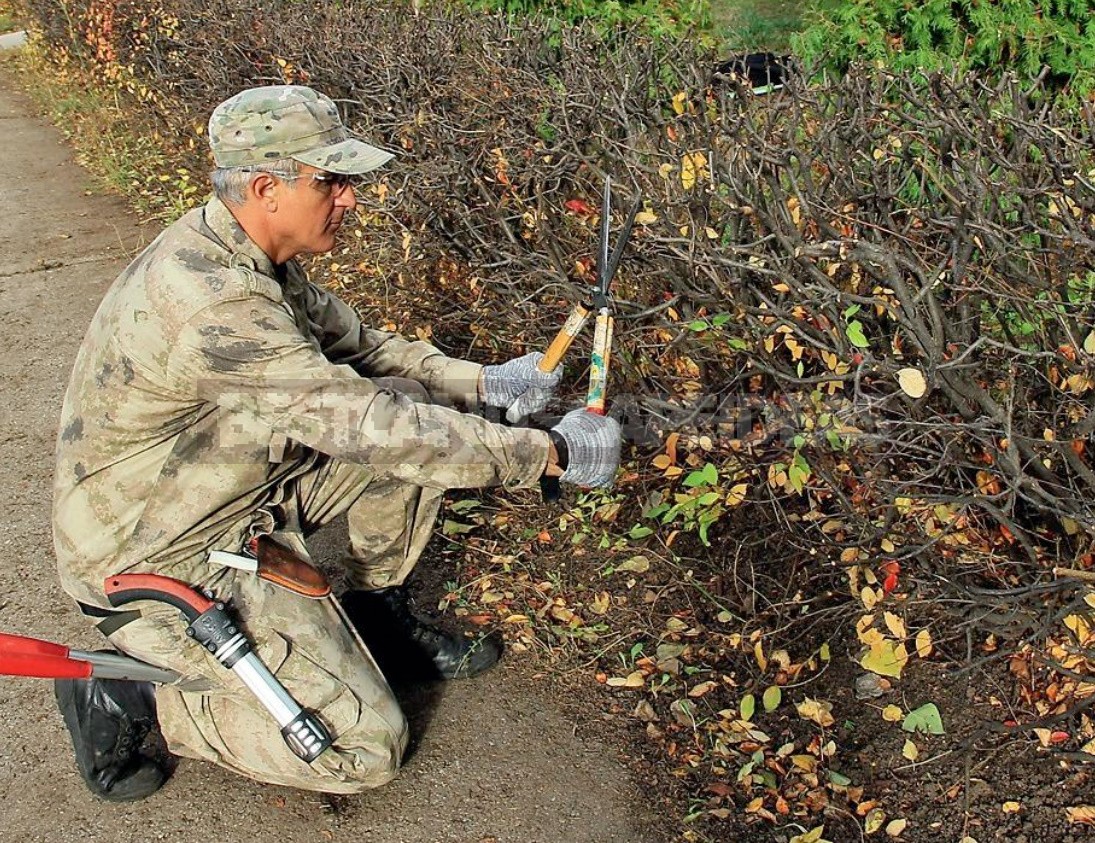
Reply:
x=20, y=645
x=21, y=656
x=125, y=588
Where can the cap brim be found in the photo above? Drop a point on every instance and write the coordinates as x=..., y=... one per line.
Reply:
x=349, y=157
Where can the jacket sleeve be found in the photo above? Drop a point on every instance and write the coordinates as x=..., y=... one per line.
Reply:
x=248, y=357
x=372, y=353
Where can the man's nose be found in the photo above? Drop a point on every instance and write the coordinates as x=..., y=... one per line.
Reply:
x=347, y=198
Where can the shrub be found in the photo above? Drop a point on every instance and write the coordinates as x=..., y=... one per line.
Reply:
x=868, y=300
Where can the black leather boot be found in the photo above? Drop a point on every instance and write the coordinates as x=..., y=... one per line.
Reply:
x=109, y=721
x=406, y=646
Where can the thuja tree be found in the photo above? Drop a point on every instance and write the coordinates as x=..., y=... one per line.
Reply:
x=1052, y=40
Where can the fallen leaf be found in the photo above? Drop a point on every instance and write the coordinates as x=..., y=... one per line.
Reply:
x=875, y=818
x=910, y=751
x=773, y=695
x=817, y=711
x=912, y=382
x=924, y=719
x=885, y=659
x=924, y=643
x=895, y=625
x=1081, y=814
x=636, y=564
x=634, y=679
x=811, y=836
x=895, y=827
x=1011, y=807
x=701, y=689
x=892, y=714
x=748, y=707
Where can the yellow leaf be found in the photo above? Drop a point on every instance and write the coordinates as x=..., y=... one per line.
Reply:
x=895, y=827
x=869, y=597
x=1082, y=814
x=924, y=643
x=702, y=688
x=887, y=546
x=892, y=714
x=679, y=101
x=849, y=555
x=601, y=603
x=754, y=805
x=806, y=763
x=912, y=382
x=758, y=651
x=646, y=217
x=665, y=170
x=910, y=751
x=633, y=680
x=1089, y=343
x=1079, y=627
x=693, y=168
x=1011, y=807
x=711, y=233
x=895, y=625
x=817, y=711
x=885, y=659
x=736, y=494
x=811, y=836
x=662, y=461
x=875, y=818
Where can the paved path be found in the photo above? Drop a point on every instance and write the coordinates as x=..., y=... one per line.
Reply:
x=496, y=761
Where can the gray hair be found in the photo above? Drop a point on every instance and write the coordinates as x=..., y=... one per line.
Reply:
x=230, y=183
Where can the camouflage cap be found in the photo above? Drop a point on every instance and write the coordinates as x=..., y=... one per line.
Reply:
x=260, y=125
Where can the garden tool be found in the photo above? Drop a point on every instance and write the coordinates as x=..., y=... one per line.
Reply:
x=209, y=624
x=607, y=264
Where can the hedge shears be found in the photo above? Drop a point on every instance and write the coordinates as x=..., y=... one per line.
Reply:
x=599, y=301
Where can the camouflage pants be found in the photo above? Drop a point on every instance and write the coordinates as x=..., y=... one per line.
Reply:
x=308, y=644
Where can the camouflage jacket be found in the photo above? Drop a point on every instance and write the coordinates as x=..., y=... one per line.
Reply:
x=209, y=377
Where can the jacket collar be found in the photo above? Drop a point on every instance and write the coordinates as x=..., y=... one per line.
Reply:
x=243, y=249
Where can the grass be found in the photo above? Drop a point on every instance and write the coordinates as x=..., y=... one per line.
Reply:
x=8, y=22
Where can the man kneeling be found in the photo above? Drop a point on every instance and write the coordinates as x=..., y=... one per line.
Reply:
x=219, y=396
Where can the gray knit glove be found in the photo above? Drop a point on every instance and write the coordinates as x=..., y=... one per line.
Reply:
x=520, y=386
x=593, y=448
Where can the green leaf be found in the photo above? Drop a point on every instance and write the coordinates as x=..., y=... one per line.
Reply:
x=856, y=335
x=773, y=696
x=823, y=653
x=464, y=505
x=885, y=659
x=455, y=528
x=639, y=531
x=694, y=478
x=737, y=345
x=924, y=719
x=748, y=707
x=698, y=325
x=720, y=319
x=710, y=474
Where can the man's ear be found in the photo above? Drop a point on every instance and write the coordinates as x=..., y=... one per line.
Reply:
x=264, y=190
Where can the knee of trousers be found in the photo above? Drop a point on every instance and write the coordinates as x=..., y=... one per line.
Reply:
x=359, y=762
x=367, y=752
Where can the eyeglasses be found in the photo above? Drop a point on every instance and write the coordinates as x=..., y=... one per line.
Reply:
x=330, y=183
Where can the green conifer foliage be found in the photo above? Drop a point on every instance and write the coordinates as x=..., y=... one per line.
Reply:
x=1028, y=37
